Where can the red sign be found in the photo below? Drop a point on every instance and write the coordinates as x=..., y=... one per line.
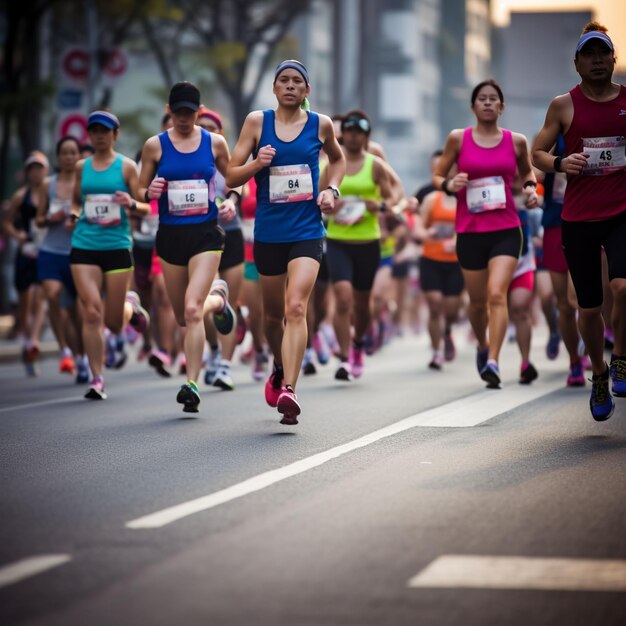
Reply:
x=75, y=125
x=116, y=63
x=76, y=63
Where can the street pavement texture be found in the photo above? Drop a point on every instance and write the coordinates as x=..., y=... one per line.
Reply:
x=408, y=496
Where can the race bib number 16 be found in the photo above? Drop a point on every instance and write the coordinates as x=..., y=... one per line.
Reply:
x=291, y=183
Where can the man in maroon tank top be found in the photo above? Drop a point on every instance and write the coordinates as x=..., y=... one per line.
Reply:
x=592, y=118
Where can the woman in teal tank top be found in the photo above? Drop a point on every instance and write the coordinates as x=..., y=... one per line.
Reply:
x=101, y=241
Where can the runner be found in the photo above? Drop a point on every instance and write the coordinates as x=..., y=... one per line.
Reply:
x=101, y=242
x=189, y=242
x=489, y=238
x=592, y=119
x=20, y=225
x=353, y=241
x=285, y=145
x=53, y=262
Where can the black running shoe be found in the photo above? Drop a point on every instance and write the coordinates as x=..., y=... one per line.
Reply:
x=528, y=374
x=189, y=397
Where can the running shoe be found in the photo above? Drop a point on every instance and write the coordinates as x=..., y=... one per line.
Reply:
x=528, y=374
x=67, y=365
x=212, y=365
x=160, y=361
x=321, y=348
x=82, y=371
x=449, y=349
x=189, y=397
x=274, y=386
x=609, y=339
x=481, y=359
x=369, y=340
x=618, y=376
x=576, y=377
x=356, y=361
x=140, y=318
x=259, y=366
x=601, y=403
x=143, y=353
x=224, y=320
x=288, y=406
x=491, y=375
x=552, y=347
x=586, y=362
x=223, y=379
x=308, y=367
x=29, y=358
x=436, y=362
x=344, y=371
x=96, y=390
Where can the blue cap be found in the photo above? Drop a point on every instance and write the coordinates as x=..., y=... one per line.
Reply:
x=294, y=65
x=104, y=118
x=594, y=34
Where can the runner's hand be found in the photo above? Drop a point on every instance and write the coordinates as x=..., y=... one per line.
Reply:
x=156, y=188
x=574, y=163
x=326, y=201
x=227, y=210
x=265, y=155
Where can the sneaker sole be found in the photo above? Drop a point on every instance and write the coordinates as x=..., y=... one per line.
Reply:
x=155, y=362
x=92, y=394
x=218, y=382
x=603, y=418
x=190, y=403
x=342, y=374
x=492, y=379
x=289, y=410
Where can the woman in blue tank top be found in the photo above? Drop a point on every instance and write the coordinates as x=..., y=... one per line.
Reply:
x=178, y=170
x=101, y=241
x=288, y=231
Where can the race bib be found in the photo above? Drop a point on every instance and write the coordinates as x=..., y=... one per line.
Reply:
x=606, y=155
x=352, y=210
x=188, y=197
x=291, y=183
x=443, y=230
x=58, y=206
x=558, y=187
x=486, y=194
x=247, y=229
x=102, y=210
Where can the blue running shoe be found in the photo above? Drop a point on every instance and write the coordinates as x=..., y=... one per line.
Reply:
x=552, y=349
x=224, y=320
x=601, y=403
x=618, y=375
x=481, y=359
x=491, y=375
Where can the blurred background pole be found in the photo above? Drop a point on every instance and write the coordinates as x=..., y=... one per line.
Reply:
x=91, y=27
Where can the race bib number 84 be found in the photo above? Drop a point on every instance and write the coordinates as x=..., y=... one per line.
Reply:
x=291, y=183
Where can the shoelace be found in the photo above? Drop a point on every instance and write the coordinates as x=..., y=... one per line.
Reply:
x=600, y=390
x=618, y=368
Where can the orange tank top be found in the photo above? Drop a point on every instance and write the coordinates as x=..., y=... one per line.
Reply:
x=442, y=219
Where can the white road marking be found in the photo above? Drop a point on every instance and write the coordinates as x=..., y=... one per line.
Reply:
x=498, y=572
x=466, y=412
x=15, y=572
x=32, y=405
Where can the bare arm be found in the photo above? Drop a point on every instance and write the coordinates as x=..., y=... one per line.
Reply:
x=9, y=226
x=336, y=167
x=240, y=169
x=77, y=205
x=150, y=157
x=42, y=206
x=445, y=162
x=525, y=171
x=131, y=176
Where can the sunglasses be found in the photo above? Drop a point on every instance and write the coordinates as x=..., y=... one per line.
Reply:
x=356, y=123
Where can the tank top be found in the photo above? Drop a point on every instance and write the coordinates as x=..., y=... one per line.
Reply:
x=190, y=194
x=554, y=185
x=598, y=129
x=354, y=189
x=57, y=240
x=486, y=204
x=103, y=224
x=442, y=218
x=287, y=190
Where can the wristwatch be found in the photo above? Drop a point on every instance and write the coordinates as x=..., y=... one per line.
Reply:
x=335, y=191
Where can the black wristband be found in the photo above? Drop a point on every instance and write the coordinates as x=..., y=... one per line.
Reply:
x=133, y=206
x=557, y=164
x=444, y=187
x=73, y=218
x=236, y=193
x=529, y=183
x=382, y=207
x=146, y=197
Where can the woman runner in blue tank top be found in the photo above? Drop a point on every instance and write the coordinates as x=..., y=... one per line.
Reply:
x=288, y=231
x=100, y=257
x=178, y=169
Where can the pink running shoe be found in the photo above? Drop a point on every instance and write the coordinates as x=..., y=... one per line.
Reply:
x=576, y=377
x=356, y=362
x=140, y=318
x=274, y=387
x=288, y=406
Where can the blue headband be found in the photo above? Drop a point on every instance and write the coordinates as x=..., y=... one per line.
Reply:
x=103, y=118
x=294, y=65
x=594, y=34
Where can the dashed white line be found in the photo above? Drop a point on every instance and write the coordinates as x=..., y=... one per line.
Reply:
x=15, y=572
x=463, y=413
x=499, y=572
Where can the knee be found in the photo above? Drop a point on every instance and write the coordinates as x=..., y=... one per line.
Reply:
x=343, y=306
x=295, y=310
x=497, y=299
x=92, y=315
x=618, y=290
x=193, y=313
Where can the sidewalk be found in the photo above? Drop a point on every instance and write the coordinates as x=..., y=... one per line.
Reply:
x=11, y=349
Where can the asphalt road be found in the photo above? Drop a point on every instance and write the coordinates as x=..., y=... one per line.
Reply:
x=356, y=516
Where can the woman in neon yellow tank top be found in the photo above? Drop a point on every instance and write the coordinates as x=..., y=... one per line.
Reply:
x=353, y=240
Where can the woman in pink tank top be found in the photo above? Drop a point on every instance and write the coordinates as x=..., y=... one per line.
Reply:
x=489, y=238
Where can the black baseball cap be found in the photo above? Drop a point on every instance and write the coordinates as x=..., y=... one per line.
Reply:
x=184, y=95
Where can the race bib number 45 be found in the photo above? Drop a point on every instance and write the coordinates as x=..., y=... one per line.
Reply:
x=188, y=197
x=102, y=210
x=291, y=183
x=606, y=155
x=486, y=194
